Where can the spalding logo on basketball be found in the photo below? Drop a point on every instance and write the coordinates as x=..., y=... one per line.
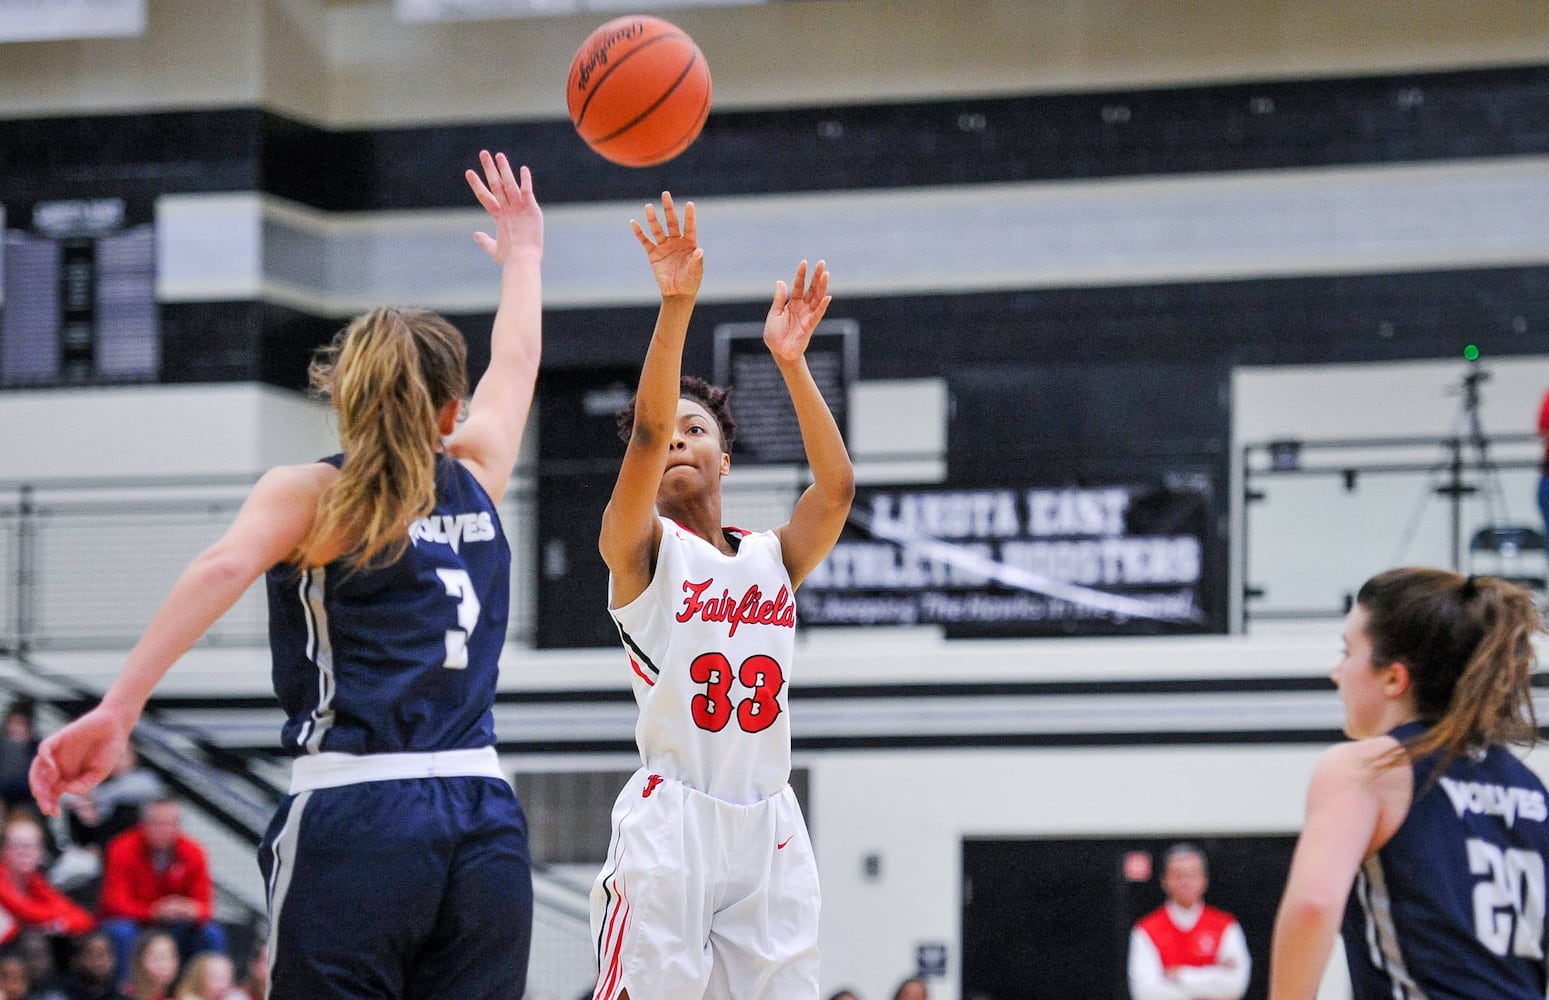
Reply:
x=639, y=90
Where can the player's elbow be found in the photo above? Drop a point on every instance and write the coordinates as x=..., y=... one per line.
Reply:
x=221, y=567
x=838, y=488
x=1310, y=906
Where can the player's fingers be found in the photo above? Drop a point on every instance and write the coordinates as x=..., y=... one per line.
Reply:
x=41, y=778
x=654, y=223
x=480, y=191
x=819, y=287
x=640, y=235
x=817, y=316
x=491, y=172
x=486, y=242
x=690, y=230
x=798, y=287
x=526, y=181
x=671, y=212
x=507, y=178
x=781, y=297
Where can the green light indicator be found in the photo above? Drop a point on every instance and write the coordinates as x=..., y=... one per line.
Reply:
x=1471, y=352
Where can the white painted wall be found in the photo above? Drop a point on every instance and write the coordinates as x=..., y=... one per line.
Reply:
x=1389, y=519
x=158, y=431
x=914, y=810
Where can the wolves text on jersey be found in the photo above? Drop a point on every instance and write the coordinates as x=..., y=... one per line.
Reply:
x=453, y=529
x=752, y=609
x=1509, y=803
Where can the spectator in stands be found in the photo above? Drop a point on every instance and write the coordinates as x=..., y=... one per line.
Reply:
x=1185, y=950
x=18, y=745
x=94, y=969
x=154, y=876
x=912, y=988
x=153, y=965
x=1543, y=476
x=844, y=995
x=99, y=815
x=113, y=806
x=255, y=985
x=27, y=900
x=37, y=954
x=14, y=983
x=207, y=976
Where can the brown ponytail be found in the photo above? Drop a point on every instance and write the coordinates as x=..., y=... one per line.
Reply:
x=387, y=374
x=1467, y=643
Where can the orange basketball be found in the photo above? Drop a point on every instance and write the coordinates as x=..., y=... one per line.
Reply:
x=639, y=90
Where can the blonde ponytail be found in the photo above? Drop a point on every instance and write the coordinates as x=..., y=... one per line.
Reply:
x=388, y=374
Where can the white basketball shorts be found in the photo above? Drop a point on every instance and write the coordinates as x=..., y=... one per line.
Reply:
x=705, y=898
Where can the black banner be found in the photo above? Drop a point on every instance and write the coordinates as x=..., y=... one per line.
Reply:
x=767, y=431
x=1020, y=561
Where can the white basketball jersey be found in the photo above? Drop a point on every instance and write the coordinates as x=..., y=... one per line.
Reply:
x=710, y=643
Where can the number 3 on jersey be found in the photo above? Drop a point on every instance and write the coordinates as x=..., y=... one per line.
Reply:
x=460, y=586
x=712, y=710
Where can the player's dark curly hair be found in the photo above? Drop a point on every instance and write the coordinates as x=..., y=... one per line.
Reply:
x=712, y=397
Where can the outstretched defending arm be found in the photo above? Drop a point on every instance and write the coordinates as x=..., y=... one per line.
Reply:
x=271, y=524
x=489, y=440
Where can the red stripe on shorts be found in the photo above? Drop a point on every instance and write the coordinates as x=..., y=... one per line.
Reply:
x=607, y=977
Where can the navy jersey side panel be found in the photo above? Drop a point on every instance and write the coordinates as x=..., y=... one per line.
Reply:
x=404, y=657
x=1452, y=908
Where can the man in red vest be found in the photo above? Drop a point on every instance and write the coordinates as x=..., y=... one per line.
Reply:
x=1185, y=950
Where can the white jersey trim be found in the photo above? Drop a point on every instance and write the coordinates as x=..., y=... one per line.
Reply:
x=314, y=608
x=331, y=770
x=1381, y=934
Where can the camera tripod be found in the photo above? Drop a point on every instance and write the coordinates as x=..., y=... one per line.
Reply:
x=1468, y=452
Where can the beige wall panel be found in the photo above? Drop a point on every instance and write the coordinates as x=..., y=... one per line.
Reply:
x=295, y=58
x=194, y=54
x=350, y=62
x=843, y=51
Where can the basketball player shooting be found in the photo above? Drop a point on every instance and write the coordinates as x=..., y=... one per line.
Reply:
x=710, y=888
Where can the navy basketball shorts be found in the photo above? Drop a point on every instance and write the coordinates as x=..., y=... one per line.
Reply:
x=418, y=887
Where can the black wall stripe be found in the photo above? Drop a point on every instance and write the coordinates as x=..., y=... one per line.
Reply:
x=1253, y=126
x=1266, y=321
x=867, y=692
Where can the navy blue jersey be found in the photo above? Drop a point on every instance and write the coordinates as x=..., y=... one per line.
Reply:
x=1452, y=908
x=401, y=658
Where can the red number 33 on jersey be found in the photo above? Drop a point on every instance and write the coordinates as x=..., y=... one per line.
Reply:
x=713, y=709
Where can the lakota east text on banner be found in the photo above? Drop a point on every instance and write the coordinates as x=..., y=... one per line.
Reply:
x=1113, y=560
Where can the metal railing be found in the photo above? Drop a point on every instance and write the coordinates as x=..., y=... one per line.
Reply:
x=1320, y=516
x=84, y=564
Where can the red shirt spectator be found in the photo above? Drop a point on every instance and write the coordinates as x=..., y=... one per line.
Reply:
x=1186, y=950
x=154, y=873
x=1543, y=430
x=27, y=900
